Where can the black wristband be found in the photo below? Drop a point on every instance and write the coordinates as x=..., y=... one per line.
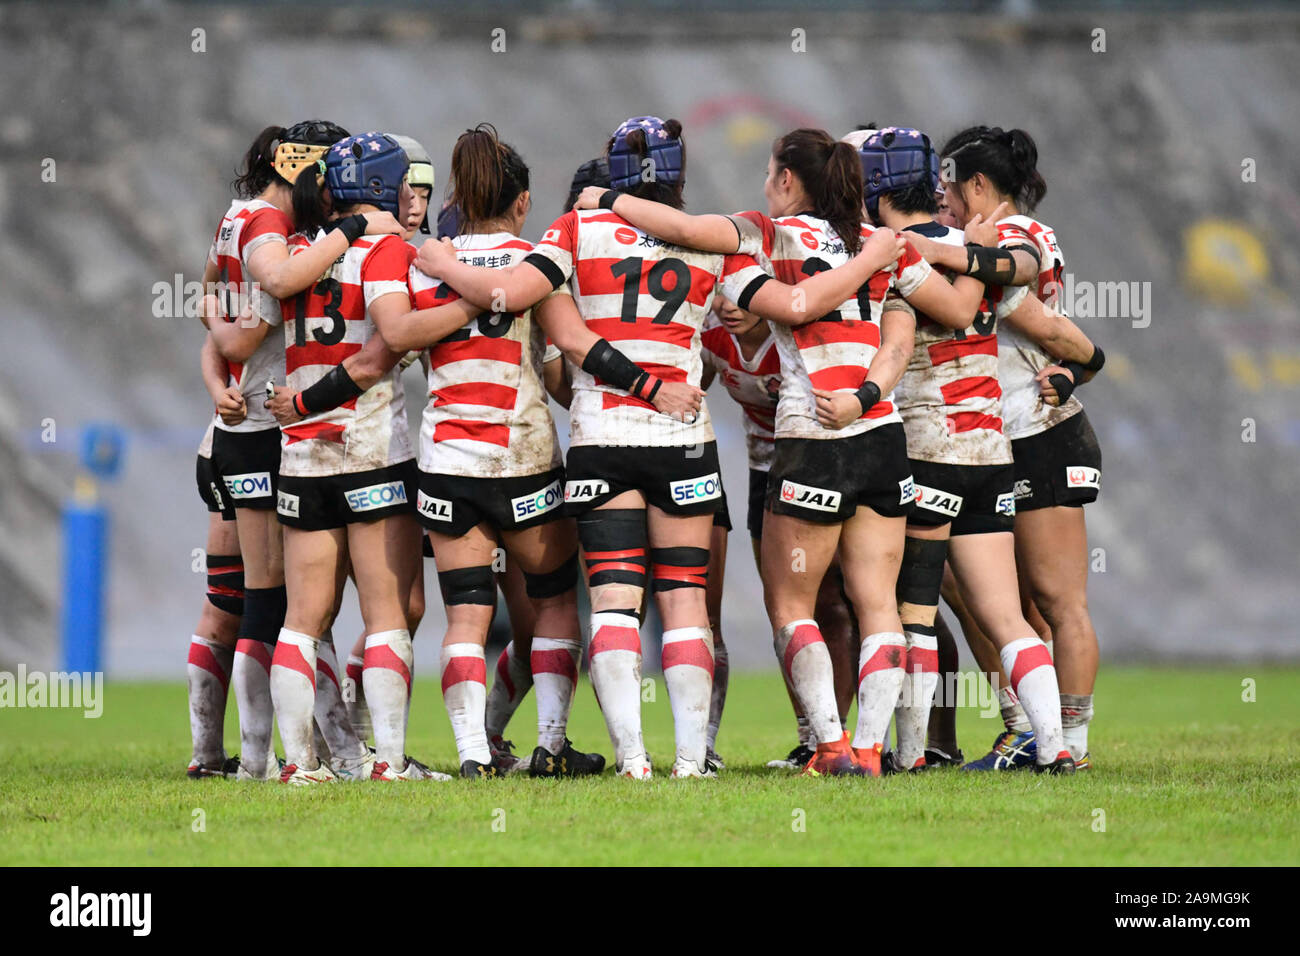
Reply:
x=1064, y=387
x=868, y=395
x=352, y=227
x=1098, y=359
x=654, y=389
x=613, y=367
x=607, y=199
x=989, y=264
x=331, y=391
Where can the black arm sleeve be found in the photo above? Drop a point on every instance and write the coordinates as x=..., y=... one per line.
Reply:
x=331, y=391
x=613, y=367
x=546, y=267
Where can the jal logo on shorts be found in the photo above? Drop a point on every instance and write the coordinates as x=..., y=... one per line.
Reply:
x=1022, y=489
x=704, y=488
x=906, y=490
x=543, y=501
x=376, y=496
x=1081, y=476
x=1006, y=504
x=286, y=504
x=255, y=484
x=435, y=509
x=944, y=502
x=584, y=490
x=806, y=496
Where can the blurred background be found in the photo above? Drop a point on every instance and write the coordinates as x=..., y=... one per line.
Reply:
x=1168, y=141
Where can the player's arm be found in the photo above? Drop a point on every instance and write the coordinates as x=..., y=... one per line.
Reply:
x=237, y=341
x=953, y=305
x=420, y=328
x=706, y=376
x=513, y=289
x=897, y=336
x=344, y=382
x=283, y=275
x=708, y=233
x=559, y=318
x=555, y=376
x=1079, y=360
x=228, y=400
x=211, y=274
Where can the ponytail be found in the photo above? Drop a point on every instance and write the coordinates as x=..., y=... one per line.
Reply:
x=1008, y=160
x=487, y=175
x=257, y=171
x=311, y=207
x=831, y=174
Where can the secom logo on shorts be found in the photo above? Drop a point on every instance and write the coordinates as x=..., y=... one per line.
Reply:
x=435, y=509
x=1006, y=504
x=704, y=488
x=1081, y=476
x=255, y=484
x=944, y=502
x=806, y=496
x=543, y=501
x=286, y=504
x=376, y=496
x=588, y=490
x=906, y=490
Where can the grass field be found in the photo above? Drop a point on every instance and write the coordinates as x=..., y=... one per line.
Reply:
x=1185, y=772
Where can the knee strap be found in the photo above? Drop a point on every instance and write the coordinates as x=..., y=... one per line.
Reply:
x=226, y=583
x=476, y=585
x=673, y=568
x=264, y=610
x=614, y=546
x=552, y=583
x=921, y=574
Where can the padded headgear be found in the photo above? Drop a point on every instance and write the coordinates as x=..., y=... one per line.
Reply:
x=303, y=144
x=420, y=172
x=894, y=158
x=665, y=152
x=366, y=169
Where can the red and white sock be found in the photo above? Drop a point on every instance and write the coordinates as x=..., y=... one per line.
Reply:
x=807, y=664
x=464, y=692
x=354, y=695
x=554, y=664
x=331, y=712
x=688, y=675
x=1033, y=678
x=1013, y=715
x=386, y=677
x=616, y=676
x=1076, y=713
x=881, y=663
x=514, y=677
x=251, y=675
x=721, y=677
x=208, y=670
x=912, y=714
x=293, y=690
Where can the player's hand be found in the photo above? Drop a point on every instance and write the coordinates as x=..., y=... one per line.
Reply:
x=382, y=224
x=679, y=400
x=589, y=198
x=883, y=247
x=434, y=256
x=281, y=405
x=209, y=309
x=984, y=232
x=231, y=407
x=837, y=409
x=1045, y=387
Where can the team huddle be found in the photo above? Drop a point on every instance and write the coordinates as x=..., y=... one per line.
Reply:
x=905, y=385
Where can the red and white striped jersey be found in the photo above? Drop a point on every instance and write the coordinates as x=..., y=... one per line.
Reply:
x=950, y=397
x=1024, y=412
x=647, y=297
x=488, y=415
x=755, y=384
x=836, y=350
x=246, y=226
x=205, y=446
x=322, y=327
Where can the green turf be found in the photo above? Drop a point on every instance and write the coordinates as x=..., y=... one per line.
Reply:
x=1184, y=770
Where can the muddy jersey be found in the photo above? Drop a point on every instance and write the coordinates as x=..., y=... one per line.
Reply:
x=246, y=227
x=950, y=397
x=487, y=415
x=323, y=326
x=754, y=383
x=649, y=299
x=834, y=351
x=1024, y=412
x=205, y=446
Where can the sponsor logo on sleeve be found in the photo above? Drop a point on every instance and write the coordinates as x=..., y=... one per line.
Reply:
x=435, y=509
x=906, y=490
x=538, y=503
x=1006, y=504
x=286, y=504
x=807, y=496
x=942, y=502
x=1022, y=489
x=376, y=496
x=689, y=490
x=255, y=484
x=1081, y=476
x=587, y=490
